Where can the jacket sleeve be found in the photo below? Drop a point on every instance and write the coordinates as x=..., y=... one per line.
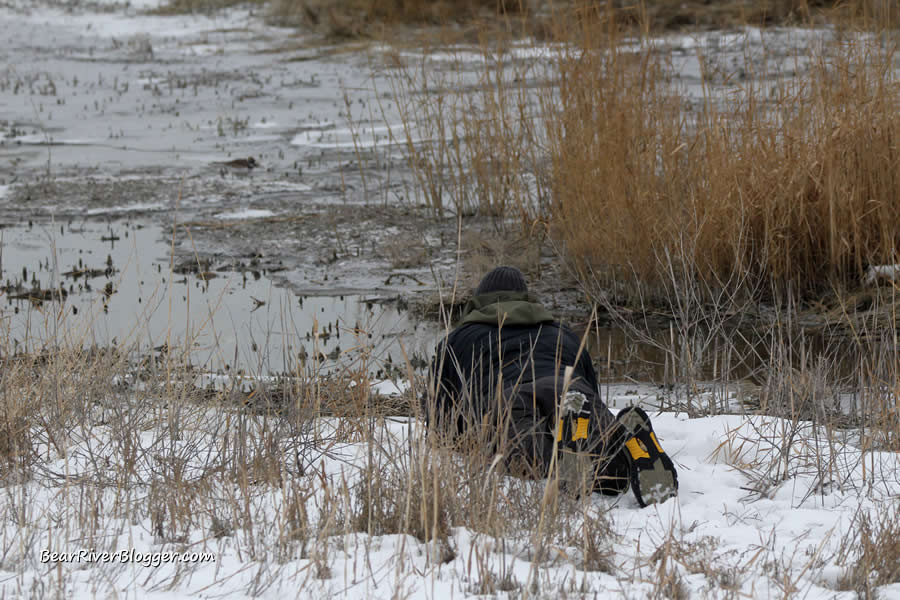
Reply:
x=443, y=382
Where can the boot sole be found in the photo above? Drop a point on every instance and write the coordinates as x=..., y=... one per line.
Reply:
x=653, y=475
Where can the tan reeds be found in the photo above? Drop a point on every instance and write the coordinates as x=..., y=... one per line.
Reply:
x=797, y=184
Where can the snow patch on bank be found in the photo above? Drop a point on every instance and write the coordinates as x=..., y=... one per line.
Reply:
x=136, y=207
x=882, y=273
x=40, y=139
x=364, y=136
x=390, y=388
x=248, y=213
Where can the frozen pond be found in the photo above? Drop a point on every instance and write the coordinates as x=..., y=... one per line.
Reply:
x=110, y=113
x=98, y=284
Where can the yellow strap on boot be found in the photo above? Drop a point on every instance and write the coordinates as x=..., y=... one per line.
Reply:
x=580, y=433
x=634, y=447
x=581, y=429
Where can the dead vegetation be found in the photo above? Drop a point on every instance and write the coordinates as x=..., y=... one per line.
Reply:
x=355, y=18
x=797, y=190
x=872, y=553
x=759, y=189
x=673, y=14
x=540, y=18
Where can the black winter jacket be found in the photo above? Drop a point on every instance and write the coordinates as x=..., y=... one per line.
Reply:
x=504, y=339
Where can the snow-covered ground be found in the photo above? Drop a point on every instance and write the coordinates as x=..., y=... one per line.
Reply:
x=756, y=516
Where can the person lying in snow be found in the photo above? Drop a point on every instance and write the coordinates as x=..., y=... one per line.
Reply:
x=509, y=366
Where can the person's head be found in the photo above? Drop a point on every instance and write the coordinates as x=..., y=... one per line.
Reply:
x=502, y=279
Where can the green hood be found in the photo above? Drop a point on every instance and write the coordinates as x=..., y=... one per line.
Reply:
x=506, y=308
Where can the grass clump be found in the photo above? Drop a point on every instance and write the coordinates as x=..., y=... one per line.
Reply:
x=178, y=7
x=673, y=14
x=796, y=185
x=873, y=554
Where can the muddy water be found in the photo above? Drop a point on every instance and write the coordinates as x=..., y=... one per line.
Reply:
x=116, y=283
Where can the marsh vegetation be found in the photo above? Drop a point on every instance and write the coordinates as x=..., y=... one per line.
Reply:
x=716, y=212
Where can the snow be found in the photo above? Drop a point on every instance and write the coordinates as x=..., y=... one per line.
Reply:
x=138, y=5
x=740, y=39
x=390, y=388
x=247, y=213
x=531, y=50
x=123, y=25
x=40, y=139
x=251, y=139
x=882, y=273
x=739, y=526
x=137, y=206
x=364, y=136
x=266, y=125
x=524, y=50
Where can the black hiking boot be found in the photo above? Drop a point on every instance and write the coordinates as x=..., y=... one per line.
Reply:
x=653, y=476
x=613, y=474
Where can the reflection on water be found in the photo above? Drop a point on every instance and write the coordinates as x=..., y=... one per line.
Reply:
x=101, y=284
x=666, y=356
x=619, y=357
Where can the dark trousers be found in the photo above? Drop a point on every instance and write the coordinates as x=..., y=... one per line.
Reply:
x=535, y=414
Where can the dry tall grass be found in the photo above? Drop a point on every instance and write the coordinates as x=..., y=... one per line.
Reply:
x=798, y=184
x=785, y=184
x=671, y=14
x=875, y=546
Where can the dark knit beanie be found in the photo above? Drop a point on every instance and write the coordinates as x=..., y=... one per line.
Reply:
x=502, y=279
